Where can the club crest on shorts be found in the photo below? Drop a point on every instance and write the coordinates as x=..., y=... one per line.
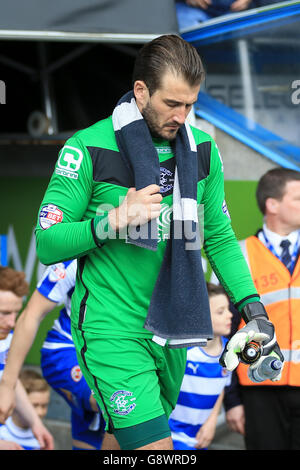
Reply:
x=122, y=402
x=76, y=373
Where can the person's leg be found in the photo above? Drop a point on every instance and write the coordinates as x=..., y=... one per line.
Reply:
x=162, y=444
x=128, y=391
x=170, y=367
x=266, y=418
x=154, y=432
x=293, y=395
x=87, y=431
x=110, y=442
x=61, y=370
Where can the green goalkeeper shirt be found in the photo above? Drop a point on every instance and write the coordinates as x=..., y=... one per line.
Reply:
x=115, y=279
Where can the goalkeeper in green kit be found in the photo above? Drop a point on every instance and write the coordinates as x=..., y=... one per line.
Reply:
x=134, y=198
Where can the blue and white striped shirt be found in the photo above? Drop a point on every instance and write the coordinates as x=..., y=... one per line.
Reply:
x=57, y=284
x=4, y=348
x=24, y=437
x=203, y=382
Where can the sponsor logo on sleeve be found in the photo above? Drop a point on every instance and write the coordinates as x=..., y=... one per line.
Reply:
x=57, y=272
x=50, y=215
x=225, y=209
x=69, y=162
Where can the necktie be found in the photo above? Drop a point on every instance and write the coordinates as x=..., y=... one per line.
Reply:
x=285, y=255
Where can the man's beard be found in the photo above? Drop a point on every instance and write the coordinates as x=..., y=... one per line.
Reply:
x=157, y=131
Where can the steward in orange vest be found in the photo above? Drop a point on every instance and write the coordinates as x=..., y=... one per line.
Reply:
x=268, y=413
x=280, y=293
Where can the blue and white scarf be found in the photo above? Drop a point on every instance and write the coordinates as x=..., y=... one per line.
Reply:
x=179, y=313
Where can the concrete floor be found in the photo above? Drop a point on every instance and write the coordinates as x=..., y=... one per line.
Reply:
x=227, y=440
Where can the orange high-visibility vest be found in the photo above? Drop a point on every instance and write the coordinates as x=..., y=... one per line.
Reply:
x=280, y=294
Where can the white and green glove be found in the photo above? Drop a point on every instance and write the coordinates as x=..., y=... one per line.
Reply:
x=258, y=328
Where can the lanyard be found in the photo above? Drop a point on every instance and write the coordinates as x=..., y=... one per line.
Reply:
x=272, y=249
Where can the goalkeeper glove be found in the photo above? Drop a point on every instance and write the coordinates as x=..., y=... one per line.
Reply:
x=258, y=328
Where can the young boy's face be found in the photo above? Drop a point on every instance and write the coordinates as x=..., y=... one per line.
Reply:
x=220, y=315
x=40, y=401
x=10, y=305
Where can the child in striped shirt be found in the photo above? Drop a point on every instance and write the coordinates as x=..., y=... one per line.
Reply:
x=15, y=429
x=193, y=421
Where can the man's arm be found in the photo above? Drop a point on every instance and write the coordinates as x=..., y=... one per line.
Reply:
x=235, y=418
x=25, y=409
x=227, y=261
x=61, y=231
x=234, y=408
x=25, y=331
x=220, y=243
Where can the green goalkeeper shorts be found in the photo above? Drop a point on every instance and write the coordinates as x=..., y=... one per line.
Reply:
x=133, y=380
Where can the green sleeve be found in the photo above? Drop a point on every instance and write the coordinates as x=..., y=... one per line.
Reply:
x=220, y=243
x=67, y=195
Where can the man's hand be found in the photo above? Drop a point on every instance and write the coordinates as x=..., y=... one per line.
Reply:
x=204, y=4
x=138, y=208
x=235, y=418
x=264, y=370
x=258, y=328
x=7, y=405
x=206, y=434
x=8, y=445
x=7, y=401
x=30, y=417
x=250, y=332
x=43, y=435
x=240, y=5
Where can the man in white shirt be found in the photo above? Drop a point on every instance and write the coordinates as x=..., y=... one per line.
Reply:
x=269, y=414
